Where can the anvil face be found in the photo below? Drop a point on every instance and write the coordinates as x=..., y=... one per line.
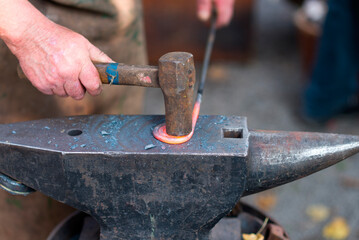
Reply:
x=117, y=134
x=108, y=167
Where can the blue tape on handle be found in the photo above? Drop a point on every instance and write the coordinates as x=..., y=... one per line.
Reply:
x=112, y=74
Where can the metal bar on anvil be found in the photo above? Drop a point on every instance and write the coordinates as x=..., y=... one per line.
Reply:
x=139, y=188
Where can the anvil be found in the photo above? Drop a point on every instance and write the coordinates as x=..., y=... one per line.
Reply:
x=111, y=167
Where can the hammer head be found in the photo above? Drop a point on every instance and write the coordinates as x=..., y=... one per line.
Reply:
x=177, y=78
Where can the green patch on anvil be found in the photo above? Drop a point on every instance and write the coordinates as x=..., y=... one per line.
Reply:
x=3, y=95
x=341, y=166
x=49, y=203
x=14, y=202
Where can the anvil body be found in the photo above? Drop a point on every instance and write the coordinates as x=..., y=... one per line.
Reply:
x=136, y=187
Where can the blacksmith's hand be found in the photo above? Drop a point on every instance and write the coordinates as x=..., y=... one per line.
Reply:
x=224, y=10
x=55, y=59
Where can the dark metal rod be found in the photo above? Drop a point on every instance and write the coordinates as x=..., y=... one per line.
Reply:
x=207, y=55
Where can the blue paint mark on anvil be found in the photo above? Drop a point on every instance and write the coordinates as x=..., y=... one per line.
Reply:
x=72, y=147
x=109, y=130
x=112, y=73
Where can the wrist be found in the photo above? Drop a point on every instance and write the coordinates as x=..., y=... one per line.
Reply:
x=19, y=22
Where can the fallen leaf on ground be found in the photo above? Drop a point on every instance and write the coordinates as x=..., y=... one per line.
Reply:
x=338, y=229
x=258, y=235
x=318, y=213
x=350, y=182
x=266, y=201
x=218, y=73
x=252, y=236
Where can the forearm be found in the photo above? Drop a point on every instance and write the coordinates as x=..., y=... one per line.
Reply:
x=17, y=19
x=55, y=59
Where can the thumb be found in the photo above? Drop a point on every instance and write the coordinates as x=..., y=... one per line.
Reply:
x=204, y=8
x=96, y=55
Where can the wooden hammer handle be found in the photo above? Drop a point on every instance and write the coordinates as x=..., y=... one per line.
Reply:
x=121, y=74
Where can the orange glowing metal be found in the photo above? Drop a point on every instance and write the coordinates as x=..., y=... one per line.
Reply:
x=160, y=131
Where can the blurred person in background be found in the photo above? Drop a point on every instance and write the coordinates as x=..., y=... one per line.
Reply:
x=333, y=87
x=58, y=62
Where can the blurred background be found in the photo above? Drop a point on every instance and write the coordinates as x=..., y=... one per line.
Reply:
x=261, y=63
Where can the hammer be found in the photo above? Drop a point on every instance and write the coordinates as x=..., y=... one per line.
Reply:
x=176, y=77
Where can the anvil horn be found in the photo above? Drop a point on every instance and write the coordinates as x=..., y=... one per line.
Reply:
x=279, y=157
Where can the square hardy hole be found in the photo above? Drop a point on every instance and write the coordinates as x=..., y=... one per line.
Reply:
x=232, y=132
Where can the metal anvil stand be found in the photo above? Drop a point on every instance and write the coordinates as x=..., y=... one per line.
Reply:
x=136, y=187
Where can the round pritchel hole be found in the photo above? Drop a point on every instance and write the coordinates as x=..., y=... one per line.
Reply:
x=74, y=132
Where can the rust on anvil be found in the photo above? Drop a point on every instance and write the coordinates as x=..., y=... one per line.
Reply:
x=121, y=74
x=177, y=79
